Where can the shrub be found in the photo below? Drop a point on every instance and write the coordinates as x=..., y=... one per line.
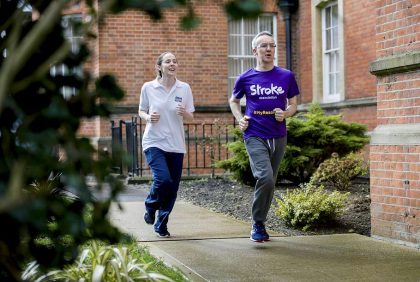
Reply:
x=312, y=138
x=337, y=172
x=238, y=164
x=307, y=207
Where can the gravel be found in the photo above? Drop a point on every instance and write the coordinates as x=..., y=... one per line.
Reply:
x=229, y=197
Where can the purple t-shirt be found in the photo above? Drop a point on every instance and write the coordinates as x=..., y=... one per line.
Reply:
x=264, y=91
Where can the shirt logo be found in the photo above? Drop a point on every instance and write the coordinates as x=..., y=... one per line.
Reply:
x=258, y=90
x=178, y=99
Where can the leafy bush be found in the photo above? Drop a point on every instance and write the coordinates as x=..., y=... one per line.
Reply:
x=238, y=164
x=312, y=137
x=43, y=158
x=99, y=262
x=37, y=121
x=310, y=206
x=337, y=172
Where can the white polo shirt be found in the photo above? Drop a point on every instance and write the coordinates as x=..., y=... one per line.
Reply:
x=168, y=133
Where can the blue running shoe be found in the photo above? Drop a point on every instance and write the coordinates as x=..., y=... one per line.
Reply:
x=258, y=233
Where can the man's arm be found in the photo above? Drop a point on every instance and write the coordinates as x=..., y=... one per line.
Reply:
x=290, y=110
x=292, y=106
x=235, y=107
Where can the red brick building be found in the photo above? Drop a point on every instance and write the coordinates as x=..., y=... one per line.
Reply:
x=335, y=45
x=212, y=55
x=395, y=144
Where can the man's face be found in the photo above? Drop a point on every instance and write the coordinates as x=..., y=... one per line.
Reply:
x=265, y=49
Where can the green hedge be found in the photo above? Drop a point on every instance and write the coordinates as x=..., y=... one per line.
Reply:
x=312, y=138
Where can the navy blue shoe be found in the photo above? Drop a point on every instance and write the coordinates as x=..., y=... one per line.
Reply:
x=163, y=233
x=149, y=218
x=258, y=233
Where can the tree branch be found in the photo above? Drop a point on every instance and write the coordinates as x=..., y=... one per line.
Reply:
x=17, y=58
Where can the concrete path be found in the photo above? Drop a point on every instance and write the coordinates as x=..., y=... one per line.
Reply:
x=208, y=246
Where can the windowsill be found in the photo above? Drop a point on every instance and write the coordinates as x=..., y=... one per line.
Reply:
x=362, y=102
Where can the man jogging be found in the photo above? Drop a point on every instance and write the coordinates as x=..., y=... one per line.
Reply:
x=271, y=97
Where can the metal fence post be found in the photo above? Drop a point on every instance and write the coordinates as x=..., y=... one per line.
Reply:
x=131, y=140
x=116, y=145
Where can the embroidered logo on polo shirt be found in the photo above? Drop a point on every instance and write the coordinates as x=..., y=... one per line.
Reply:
x=178, y=99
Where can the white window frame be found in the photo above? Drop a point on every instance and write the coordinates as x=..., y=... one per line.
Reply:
x=319, y=80
x=331, y=54
x=246, y=48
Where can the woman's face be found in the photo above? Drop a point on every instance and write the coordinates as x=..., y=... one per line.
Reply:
x=169, y=65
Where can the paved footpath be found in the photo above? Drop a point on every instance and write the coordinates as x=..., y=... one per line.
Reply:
x=208, y=246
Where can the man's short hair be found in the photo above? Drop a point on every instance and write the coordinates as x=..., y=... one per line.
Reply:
x=254, y=41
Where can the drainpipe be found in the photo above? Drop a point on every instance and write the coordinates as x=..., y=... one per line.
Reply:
x=288, y=7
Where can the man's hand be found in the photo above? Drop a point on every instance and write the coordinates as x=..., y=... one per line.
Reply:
x=279, y=114
x=244, y=122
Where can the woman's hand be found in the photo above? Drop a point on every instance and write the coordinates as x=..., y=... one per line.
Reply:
x=180, y=110
x=153, y=117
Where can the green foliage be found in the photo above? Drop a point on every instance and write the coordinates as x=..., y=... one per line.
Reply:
x=310, y=206
x=238, y=164
x=337, y=172
x=238, y=9
x=44, y=163
x=42, y=158
x=313, y=137
x=235, y=9
x=100, y=262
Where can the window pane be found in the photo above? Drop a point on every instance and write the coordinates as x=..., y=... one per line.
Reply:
x=335, y=37
x=72, y=30
x=234, y=45
x=234, y=27
x=331, y=90
x=337, y=61
x=248, y=45
x=334, y=15
x=266, y=23
x=234, y=66
x=231, y=83
x=328, y=39
x=337, y=82
x=331, y=63
x=250, y=27
x=248, y=63
x=328, y=17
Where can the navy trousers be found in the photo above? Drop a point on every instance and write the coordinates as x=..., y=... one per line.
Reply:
x=166, y=170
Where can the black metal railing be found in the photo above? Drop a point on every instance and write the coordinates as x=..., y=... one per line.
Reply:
x=205, y=143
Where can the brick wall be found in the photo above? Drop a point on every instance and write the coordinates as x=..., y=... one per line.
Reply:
x=129, y=43
x=304, y=50
x=359, y=48
x=399, y=98
x=395, y=145
x=359, y=51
